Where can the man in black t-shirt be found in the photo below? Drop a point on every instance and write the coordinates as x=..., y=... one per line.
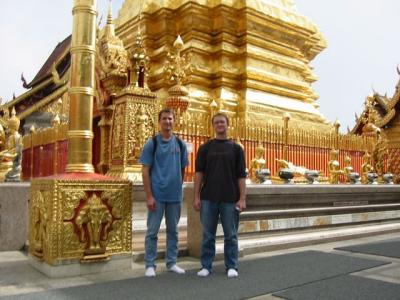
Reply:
x=220, y=192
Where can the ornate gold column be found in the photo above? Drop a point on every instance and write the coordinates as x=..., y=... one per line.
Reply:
x=80, y=216
x=81, y=91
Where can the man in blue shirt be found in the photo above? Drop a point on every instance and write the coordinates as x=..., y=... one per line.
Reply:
x=164, y=158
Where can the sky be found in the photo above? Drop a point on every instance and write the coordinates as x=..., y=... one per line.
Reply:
x=362, y=55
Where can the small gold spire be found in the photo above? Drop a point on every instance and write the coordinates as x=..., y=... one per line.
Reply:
x=109, y=16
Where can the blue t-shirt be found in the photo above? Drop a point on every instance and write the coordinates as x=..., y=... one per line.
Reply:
x=165, y=165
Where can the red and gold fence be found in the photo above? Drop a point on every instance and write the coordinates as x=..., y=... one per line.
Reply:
x=45, y=151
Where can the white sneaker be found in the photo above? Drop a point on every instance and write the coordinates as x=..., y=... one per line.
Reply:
x=176, y=269
x=203, y=273
x=150, y=272
x=232, y=273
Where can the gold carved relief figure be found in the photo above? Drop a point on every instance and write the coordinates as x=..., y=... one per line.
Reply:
x=39, y=219
x=97, y=219
x=117, y=134
x=142, y=123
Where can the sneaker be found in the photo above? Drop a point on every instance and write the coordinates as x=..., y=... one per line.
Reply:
x=150, y=272
x=232, y=273
x=176, y=269
x=203, y=273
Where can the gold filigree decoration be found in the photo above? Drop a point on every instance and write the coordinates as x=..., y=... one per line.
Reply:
x=70, y=240
x=71, y=202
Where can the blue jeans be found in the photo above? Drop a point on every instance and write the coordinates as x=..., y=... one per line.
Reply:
x=172, y=215
x=209, y=214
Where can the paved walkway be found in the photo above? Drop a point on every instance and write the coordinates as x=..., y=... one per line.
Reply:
x=18, y=277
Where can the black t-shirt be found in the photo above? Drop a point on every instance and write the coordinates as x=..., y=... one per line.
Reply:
x=222, y=164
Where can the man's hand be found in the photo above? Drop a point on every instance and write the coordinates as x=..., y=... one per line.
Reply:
x=196, y=203
x=241, y=204
x=151, y=203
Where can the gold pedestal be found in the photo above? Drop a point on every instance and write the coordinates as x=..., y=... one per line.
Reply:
x=133, y=123
x=79, y=218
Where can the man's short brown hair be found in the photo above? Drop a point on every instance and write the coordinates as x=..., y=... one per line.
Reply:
x=166, y=110
x=220, y=114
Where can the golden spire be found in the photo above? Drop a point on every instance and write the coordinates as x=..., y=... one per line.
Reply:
x=177, y=66
x=109, y=30
x=139, y=62
x=112, y=55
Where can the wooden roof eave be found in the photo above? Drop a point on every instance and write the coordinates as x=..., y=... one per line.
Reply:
x=386, y=119
x=46, y=100
x=383, y=103
x=56, y=64
x=62, y=87
x=28, y=93
x=41, y=85
x=395, y=99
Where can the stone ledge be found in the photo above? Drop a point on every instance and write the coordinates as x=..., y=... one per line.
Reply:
x=76, y=268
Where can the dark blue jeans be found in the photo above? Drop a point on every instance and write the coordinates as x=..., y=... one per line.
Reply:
x=209, y=214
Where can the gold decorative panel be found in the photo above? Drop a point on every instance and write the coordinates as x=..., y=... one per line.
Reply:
x=75, y=219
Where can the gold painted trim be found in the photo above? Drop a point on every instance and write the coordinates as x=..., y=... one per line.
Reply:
x=82, y=90
x=79, y=168
x=83, y=8
x=83, y=48
x=80, y=134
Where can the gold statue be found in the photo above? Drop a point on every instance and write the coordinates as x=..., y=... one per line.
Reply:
x=297, y=170
x=379, y=154
x=11, y=155
x=367, y=170
x=257, y=167
x=334, y=168
x=370, y=127
x=351, y=176
x=2, y=138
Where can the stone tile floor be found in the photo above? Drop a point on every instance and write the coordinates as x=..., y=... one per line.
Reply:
x=18, y=277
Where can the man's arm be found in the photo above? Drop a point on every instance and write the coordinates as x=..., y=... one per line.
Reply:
x=198, y=177
x=151, y=202
x=241, y=204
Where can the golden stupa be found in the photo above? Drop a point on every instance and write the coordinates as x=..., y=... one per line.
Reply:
x=250, y=57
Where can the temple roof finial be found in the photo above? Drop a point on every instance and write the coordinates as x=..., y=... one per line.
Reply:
x=110, y=16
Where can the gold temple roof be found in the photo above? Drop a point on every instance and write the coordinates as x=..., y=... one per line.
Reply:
x=385, y=108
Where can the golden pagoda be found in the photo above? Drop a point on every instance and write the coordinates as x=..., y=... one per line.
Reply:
x=251, y=57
